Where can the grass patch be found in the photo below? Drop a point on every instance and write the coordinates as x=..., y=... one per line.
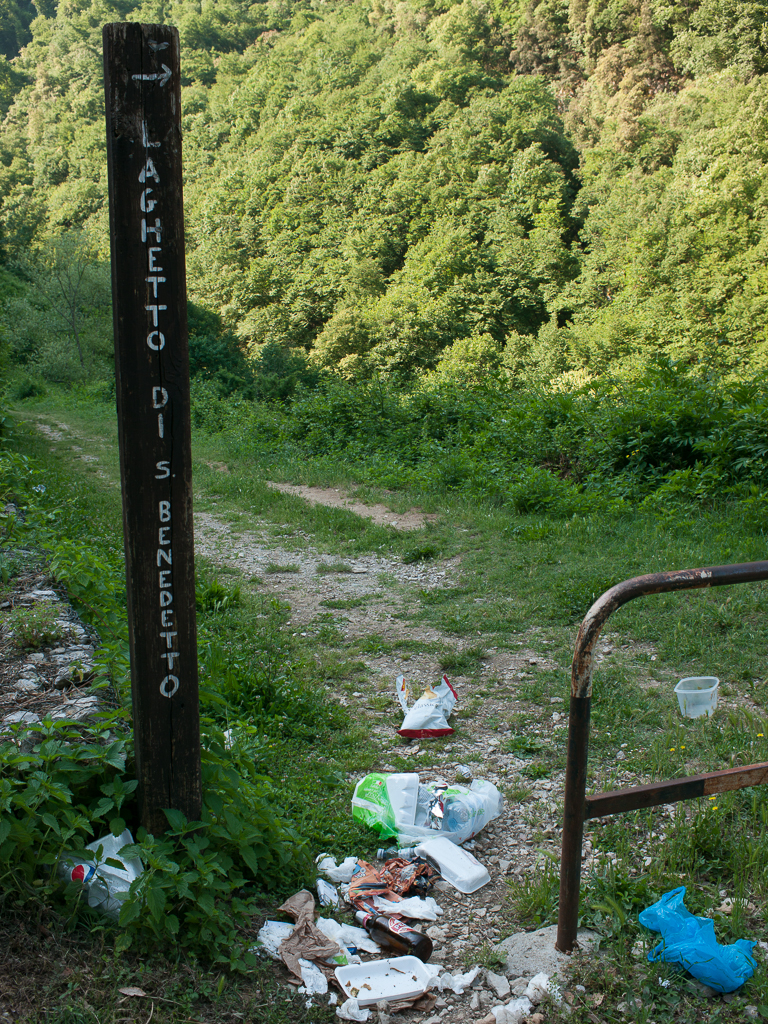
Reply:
x=462, y=662
x=346, y=603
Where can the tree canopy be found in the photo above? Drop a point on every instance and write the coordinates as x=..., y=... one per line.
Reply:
x=567, y=184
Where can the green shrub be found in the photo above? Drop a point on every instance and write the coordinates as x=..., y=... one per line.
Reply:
x=70, y=785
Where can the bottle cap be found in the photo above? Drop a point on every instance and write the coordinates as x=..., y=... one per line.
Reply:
x=360, y=915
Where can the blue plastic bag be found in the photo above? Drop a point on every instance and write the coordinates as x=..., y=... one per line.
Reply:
x=690, y=941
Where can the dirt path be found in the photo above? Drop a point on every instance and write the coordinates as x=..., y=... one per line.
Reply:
x=373, y=596
x=337, y=497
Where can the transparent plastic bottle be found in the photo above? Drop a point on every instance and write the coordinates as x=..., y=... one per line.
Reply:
x=460, y=810
x=397, y=934
x=406, y=854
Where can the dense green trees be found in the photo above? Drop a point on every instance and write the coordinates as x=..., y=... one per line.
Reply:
x=546, y=185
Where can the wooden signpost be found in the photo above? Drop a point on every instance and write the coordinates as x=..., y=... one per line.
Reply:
x=149, y=299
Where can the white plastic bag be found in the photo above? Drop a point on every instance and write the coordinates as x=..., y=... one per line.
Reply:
x=429, y=715
x=107, y=885
x=315, y=982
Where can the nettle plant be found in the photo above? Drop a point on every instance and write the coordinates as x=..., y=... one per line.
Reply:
x=63, y=786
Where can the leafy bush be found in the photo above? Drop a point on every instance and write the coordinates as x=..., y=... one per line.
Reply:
x=215, y=354
x=667, y=435
x=62, y=786
x=279, y=371
x=24, y=386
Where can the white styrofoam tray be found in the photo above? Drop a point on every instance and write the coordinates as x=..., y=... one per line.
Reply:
x=455, y=864
x=400, y=977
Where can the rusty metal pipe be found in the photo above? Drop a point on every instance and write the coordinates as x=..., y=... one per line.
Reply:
x=581, y=695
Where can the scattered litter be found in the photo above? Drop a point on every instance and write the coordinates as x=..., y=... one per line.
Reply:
x=326, y=864
x=401, y=977
x=540, y=986
x=407, y=853
x=690, y=941
x=271, y=934
x=107, y=885
x=429, y=715
x=391, y=882
x=697, y=696
x=456, y=983
x=306, y=941
x=347, y=935
x=397, y=805
x=419, y=909
x=396, y=933
x=513, y=1012
x=327, y=894
x=350, y=1010
x=315, y=982
x=456, y=865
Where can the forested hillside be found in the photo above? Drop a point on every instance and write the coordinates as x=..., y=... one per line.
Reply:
x=541, y=185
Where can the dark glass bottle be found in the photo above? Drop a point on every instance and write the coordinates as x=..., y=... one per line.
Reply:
x=397, y=934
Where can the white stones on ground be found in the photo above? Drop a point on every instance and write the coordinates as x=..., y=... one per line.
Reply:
x=499, y=983
x=504, y=866
x=36, y=659
x=40, y=596
x=20, y=718
x=27, y=685
x=77, y=710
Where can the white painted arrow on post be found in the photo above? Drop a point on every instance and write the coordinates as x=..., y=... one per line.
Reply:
x=160, y=76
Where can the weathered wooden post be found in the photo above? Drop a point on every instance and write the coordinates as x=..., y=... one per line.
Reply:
x=149, y=300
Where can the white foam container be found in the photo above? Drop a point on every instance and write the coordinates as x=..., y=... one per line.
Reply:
x=399, y=977
x=697, y=695
x=455, y=864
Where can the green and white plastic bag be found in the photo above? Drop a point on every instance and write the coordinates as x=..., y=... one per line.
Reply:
x=396, y=806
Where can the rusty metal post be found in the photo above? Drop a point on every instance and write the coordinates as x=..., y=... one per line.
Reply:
x=143, y=114
x=576, y=808
x=573, y=821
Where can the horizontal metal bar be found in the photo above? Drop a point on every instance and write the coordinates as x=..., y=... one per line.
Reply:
x=655, y=793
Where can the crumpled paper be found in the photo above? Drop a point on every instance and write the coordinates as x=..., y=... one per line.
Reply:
x=306, y=941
